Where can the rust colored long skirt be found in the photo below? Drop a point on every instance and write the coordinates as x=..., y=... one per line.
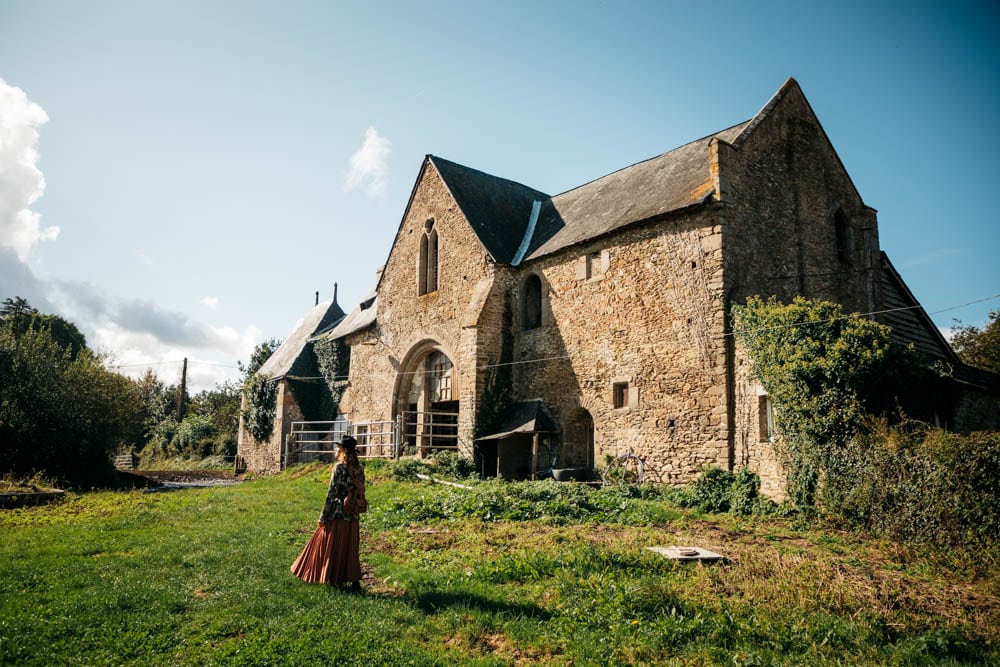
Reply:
x=332, y=554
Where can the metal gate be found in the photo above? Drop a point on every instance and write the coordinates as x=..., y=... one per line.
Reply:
x=411, y=432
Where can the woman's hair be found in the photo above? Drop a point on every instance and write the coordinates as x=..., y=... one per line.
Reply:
x=350, y=446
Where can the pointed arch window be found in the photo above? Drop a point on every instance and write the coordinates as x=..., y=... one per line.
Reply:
x=427, y=263
x=532, y=312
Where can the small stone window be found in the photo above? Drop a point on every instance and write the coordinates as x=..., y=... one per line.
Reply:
x=593, y=265
x=620, y=395
x=532, y=311
x=765, y=415
x=427, y=263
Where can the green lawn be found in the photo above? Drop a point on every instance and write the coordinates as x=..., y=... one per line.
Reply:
x=200, y=576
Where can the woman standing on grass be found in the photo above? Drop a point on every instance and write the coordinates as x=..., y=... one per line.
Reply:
x=332, y=553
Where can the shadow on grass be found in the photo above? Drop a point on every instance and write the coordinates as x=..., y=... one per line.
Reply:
x=434, y=602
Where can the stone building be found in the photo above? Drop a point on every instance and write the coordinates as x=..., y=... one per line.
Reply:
x=298, y=395
x=508, y=323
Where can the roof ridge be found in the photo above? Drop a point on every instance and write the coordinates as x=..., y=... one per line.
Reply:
x=650, y=159
x=758, y=117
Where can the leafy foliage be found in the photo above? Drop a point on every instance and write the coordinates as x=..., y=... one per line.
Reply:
x=21, y=317
x=453, y=465
x=61, y=413
x=825, y=373
x=717, y=490
x=918, y=483
x=260, y=394
x=980, y=347
x=333, y=357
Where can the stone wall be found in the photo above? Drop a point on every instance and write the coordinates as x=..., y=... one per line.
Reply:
x=644, y=309
x=265, y=457
x=782, y=191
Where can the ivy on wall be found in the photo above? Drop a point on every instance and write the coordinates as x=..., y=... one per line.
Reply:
x=260, y=395
x=334, y=359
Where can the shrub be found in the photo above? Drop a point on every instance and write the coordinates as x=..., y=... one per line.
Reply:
x=406, y=470
x=451, y=464
x=918, y=483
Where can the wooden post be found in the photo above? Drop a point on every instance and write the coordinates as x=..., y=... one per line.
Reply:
x=534, y=454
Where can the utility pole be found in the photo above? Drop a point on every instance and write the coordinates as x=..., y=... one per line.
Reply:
x=180, y=394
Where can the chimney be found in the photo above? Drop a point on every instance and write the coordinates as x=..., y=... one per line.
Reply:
x=317, y=299
x=335, y=294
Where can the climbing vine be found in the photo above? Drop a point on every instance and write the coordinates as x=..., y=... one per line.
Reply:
x=333, y=358
x=825, y=373
x=260, y=395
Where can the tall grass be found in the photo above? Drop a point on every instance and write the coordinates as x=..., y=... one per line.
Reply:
x=200, y=576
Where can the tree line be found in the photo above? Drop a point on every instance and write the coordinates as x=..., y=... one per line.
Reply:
x=64, y=412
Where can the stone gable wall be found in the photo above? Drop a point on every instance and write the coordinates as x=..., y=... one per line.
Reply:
x=408, y=320
x=784, y=184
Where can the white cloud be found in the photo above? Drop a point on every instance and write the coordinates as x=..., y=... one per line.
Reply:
x=21, y=181
x=368, y=165
x=211, y=301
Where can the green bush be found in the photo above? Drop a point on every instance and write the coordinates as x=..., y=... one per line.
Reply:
x=717, y=490
x=451, y=464
x=406, y=470
x=918, y=483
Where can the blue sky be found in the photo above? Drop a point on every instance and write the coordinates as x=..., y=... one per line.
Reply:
x=209, y=165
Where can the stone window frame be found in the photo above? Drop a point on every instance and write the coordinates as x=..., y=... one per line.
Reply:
x=532, y=314
x=427, y=260
x=765, y=417
x=593, y=265
x=624, y=394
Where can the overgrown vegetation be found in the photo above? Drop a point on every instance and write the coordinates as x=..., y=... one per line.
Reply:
x=260, y=394
x=845, y=399
x=201, y=577
x=61, y=410
x=64, y=411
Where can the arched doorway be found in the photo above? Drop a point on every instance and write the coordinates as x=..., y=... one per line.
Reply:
x=578, y=440
x=426, y=400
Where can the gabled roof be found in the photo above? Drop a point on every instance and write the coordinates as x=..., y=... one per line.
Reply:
x=497, y=209
x=293, y=358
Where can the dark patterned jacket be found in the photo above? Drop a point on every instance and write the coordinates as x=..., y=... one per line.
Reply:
x=340, y=481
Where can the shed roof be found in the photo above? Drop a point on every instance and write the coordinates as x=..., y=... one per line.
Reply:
x=524, y=417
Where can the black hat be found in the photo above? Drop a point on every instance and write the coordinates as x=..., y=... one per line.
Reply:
x=348, y=443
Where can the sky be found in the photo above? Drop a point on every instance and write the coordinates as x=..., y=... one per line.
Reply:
x=180, y=178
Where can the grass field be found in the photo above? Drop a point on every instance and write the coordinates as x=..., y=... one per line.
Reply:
x=200, y=576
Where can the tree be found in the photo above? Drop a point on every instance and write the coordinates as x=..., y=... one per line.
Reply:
x=21, y=316
x=61, y=414
x=261, y=353
x=980, y=347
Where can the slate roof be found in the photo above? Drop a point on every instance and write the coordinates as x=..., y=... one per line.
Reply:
x=294, y=357
x=497, y=209
x=669, y=182
x=363, y=316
